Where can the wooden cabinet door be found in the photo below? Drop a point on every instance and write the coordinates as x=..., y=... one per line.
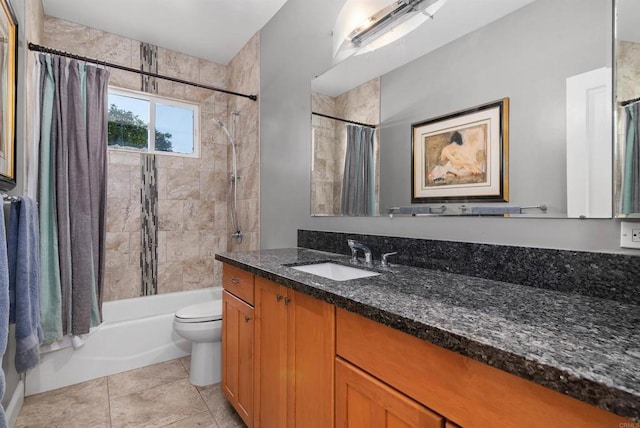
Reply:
x=311, y=360
x=237, y=355
x=271, y=377
x=364, y=402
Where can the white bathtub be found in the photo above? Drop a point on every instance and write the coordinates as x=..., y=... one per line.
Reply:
x=135, y=333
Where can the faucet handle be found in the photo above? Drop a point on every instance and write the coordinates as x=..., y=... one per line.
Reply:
x=384, y=261
x=354, y=252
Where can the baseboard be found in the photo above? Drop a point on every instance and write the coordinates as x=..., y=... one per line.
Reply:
x=15, y=405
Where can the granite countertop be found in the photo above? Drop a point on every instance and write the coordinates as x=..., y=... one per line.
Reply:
x=585, y=347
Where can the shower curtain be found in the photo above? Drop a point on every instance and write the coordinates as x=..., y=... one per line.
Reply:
x=631, y=165
x=72, y=194
x=358, y=191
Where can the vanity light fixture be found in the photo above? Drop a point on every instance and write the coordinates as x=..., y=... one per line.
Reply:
x=365, y=25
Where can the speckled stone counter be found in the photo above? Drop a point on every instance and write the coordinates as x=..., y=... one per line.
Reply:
x=585, y=347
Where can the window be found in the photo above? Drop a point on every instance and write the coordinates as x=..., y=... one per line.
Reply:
x=153, y=124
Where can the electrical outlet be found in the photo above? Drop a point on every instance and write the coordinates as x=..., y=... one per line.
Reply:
x=630, y=234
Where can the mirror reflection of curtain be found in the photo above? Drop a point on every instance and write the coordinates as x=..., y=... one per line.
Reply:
x=631, y=167
x=72, y=194
x=358, y=183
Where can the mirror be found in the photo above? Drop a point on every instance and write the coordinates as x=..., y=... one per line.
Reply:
x=551, y=59
x=627, y=165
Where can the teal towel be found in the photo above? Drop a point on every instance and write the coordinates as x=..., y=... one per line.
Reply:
x=24, y=282
x=4, y=310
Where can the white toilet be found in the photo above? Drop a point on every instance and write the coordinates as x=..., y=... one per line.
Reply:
x=202, y=325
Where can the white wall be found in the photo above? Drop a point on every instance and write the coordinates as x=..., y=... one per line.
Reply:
x=295, y=47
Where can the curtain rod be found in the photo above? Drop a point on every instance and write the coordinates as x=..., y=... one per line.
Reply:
x=624, y=103
x=44, y=49
x=344, y=120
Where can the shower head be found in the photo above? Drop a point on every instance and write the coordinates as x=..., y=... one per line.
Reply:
x=224, y=128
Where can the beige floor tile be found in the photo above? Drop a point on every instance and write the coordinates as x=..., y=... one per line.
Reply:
x=77, y=406
x=186, y=362
x=202, y=420
x=158, y=406
x=224, y=414
x=146, y=377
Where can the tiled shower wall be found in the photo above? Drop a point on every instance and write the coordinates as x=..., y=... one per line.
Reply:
x=192, y=194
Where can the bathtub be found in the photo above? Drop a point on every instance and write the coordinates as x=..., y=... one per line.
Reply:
x=135, y=333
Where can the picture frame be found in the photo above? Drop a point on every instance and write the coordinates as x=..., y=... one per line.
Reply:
x=8, y=85
x=462, y=156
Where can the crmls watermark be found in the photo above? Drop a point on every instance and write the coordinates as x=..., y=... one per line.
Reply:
x=629, y=425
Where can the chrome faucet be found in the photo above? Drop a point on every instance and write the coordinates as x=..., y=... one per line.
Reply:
x=384, y=262
x=355, y=246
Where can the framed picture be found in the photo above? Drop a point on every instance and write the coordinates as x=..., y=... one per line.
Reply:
x=463, y=156
x=8, y=82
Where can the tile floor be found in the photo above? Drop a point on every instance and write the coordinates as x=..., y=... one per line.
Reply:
x=155, y=396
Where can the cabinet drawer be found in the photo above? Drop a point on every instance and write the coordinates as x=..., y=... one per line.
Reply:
x=465, y=391
x=238, y=282
x=363, y=401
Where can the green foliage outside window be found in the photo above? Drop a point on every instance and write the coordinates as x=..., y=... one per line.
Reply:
x=127, y=130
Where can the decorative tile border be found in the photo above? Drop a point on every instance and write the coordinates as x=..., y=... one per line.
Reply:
x=149, y=62
x=602, y=275
x=149, y=192
x=149, y=232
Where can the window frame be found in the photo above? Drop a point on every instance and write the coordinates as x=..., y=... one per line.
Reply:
x=151, y=141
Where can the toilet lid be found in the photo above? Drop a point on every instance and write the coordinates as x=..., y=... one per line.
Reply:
x=201, y=312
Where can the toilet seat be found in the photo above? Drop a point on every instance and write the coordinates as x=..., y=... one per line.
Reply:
x=200, y=312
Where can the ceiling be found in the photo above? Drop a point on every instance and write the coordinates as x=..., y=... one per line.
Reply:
x=215, y=30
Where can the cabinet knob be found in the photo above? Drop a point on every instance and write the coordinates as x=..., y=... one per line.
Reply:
x=234, y=281
x=247, y=318
x=287, y=300
x=278, y=297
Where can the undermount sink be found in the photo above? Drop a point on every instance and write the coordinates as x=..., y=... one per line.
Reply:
x=335, y=271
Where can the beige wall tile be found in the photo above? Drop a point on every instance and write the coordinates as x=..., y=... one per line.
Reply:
x=183, y=245
x=169, y=277
x=170, y=89
x=176, y=64
x=211, y=242
x=119, y=182
x=212, y=74
x=66, y=36
x=117, y=248
x=123, y=215
x=199, y=215
x=162, y=246
x=222, y=216
x=170, y=215
x=135, y=246
x=122, y=281
x=183, y=184
x=113, y=48
x=214, y=185
x=167, y=161
x=122, y=157
x=197, y=274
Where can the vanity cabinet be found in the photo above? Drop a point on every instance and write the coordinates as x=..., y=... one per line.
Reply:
x=291, y=360
x=294, y=358
x=464, y=391
x=238, y=341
